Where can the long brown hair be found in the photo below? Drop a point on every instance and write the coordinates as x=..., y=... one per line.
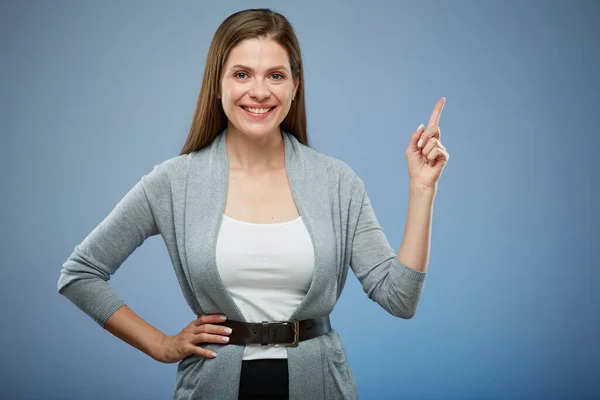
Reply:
x=209, y=117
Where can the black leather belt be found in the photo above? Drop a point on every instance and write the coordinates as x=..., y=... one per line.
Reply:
x=277, y=333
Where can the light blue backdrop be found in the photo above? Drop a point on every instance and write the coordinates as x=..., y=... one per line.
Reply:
x=94, y=94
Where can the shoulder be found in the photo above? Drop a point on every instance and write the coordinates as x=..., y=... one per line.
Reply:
x=339, y=174
x=167, y=172
x=175, y=165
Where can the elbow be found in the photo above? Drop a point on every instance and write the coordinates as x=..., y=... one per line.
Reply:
x=79, y=269
x=404, y=313
x=401, y=301
x=402, y=307
x=61, y=284
x=64, y=281
x=407, y=314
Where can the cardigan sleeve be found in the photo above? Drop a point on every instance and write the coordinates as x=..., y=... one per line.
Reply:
x=84, y=275
x=393, y=285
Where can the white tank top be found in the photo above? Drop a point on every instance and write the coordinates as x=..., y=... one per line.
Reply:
x=267, y=269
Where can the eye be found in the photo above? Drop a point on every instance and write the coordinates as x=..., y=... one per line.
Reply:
x=240, y=75
x=277, y=76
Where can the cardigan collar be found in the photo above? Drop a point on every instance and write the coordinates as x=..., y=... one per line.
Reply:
x=207, y=184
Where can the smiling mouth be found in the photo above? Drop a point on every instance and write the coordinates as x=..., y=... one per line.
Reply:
x=257, y=111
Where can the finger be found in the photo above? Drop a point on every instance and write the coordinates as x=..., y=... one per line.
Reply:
x=437, y=111
x=216, y=329
x=437, y=155
x=202, y=352
x=431, y=144
x=209, y=319
x=209, y=338
x=433, y=132
x=415, y=138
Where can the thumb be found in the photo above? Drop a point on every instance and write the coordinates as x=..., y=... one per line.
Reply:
x=414, y=139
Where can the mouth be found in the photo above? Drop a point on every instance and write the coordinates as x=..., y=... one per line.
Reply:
x=262, y=112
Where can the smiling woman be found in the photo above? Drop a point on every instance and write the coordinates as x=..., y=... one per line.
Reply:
x=254, y=64
x=261, y=230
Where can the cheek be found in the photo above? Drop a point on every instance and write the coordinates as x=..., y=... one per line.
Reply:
x=226, y=94
x=233, y=93
x=286, y=98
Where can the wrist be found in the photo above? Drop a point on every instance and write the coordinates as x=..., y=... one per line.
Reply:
x=157, y=350
x=418, y=189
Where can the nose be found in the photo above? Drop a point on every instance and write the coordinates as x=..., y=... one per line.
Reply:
x=259, y=90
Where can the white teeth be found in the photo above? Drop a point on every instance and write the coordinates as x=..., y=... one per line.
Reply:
x=257, y=110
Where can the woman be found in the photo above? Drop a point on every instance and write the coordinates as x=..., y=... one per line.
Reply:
x=260, y=228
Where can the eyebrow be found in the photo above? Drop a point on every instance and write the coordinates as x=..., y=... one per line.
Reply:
x=280, y=67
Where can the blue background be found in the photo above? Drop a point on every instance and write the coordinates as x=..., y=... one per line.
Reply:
x=94, y=94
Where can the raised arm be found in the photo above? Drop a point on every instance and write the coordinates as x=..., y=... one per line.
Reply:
x=386, y=280
x=395, y=281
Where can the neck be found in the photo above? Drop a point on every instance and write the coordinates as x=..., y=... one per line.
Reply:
x=254, y=154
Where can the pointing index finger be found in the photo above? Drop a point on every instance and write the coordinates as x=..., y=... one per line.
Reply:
x=437, y=111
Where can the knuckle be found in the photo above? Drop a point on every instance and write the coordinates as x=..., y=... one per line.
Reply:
x=433, y=131
x=204, y=337
x=192, y=349
x=198, y=341
x=201, y=351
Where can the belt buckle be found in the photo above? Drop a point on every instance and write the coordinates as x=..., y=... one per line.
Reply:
x=296, y=324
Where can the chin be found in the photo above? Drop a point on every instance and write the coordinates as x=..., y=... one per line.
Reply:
x=256, y=129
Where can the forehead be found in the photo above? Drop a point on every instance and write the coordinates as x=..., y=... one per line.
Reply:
x=258, y=53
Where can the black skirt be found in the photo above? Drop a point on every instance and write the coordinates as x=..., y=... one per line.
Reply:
x=265, y=379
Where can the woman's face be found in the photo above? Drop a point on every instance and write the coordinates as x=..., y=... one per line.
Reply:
x=257, y=87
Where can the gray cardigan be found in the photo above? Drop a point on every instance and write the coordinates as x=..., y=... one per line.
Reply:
x=183, y=199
